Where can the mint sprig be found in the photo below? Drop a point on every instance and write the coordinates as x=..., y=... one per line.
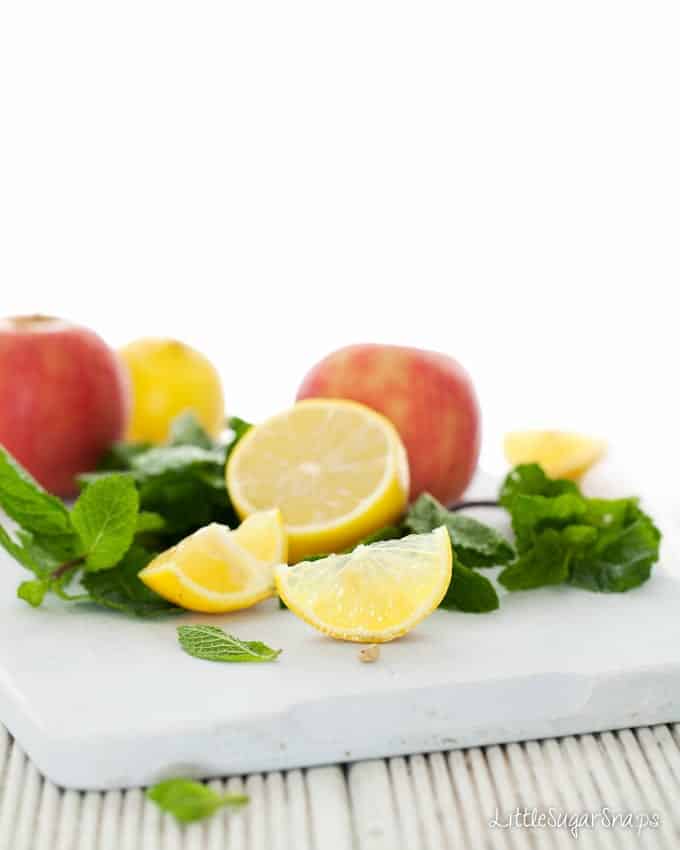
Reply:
x=141, y=501
x=191, y=801
x=182, y=481
x=65, y=548
x=605, y=545
x=213, y=644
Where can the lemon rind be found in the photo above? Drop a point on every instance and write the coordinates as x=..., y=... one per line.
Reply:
x=397, y=467
x=252, y=590
x=255, y=591
x=367, y=635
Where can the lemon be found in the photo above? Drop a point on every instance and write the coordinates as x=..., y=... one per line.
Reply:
x=561, y=454
x=336, y=469
x=374, y=594
x=216, y=570
x=168, y=378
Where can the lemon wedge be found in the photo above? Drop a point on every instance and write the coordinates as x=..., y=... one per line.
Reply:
x=374, y=594
x=216, y=570
x=561, y=454
x=336, y=469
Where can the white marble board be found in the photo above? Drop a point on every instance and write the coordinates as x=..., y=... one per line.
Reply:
x=102, y=701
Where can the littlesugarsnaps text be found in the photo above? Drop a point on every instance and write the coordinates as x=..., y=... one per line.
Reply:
x=574, y=822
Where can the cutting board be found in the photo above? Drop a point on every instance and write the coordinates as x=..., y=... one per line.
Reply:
x=101, y=701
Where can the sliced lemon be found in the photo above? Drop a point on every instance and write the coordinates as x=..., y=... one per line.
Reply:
x=264, y=536
x=336, y=469
x=561, y=454
x=216, y=570
x=374, y=594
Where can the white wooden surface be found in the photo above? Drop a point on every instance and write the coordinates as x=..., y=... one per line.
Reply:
x=442, y=801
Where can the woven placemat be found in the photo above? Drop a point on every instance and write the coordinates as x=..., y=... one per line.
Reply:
x=610, y=789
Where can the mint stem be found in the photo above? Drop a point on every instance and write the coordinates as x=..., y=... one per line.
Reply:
x=68, y=565
x=483, y=503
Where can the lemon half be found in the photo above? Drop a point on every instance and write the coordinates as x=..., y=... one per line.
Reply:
x=336, y=469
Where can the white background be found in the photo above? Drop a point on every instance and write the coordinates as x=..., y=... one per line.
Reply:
x=270, y=181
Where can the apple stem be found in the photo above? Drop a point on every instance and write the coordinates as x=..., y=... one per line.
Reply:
x=483, y=503
x=68, y=565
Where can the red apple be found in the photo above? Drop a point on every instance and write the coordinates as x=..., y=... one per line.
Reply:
x=428, y=396
x=63, y=398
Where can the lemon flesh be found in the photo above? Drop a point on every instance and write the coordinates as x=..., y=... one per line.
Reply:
x=263, y=535
x=216, y=570
x=561, y=454
x=374, y=594
x=336, y=469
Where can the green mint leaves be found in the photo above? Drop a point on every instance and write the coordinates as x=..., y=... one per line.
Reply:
x=191, y=801
x=529, y=479
x=182, y=481
x=186, y=430
x=142, y=500
x=34, y=509
x=213, y=644
x=469, y=591
x=120, y=589
x=33, y=592
x=105, y=518
x=59, y=546
x=475, y=544
x=606, y=545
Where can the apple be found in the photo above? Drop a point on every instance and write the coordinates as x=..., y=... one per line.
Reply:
x=64, y=398
x=429, y=398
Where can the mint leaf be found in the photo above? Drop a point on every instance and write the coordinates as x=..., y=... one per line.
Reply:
x=120, y=456
x=212, y=644
x=607, y=545
x=20, y=550
x=33, y=592
x=121, y=589
x=469, y=591
x=187, y=501
x=547, y=562
x=149, y=521
x=610, y=514
x=191, y=801
x=475, y=544
x=387, y=532
x=184, y=481
x=43, y=564
x=621, y=558
x=105, y=518
x=34, y=509
x=239, y=428
x=533, y=514
x=165, y=459
x=529, y=479
x=186, y=430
